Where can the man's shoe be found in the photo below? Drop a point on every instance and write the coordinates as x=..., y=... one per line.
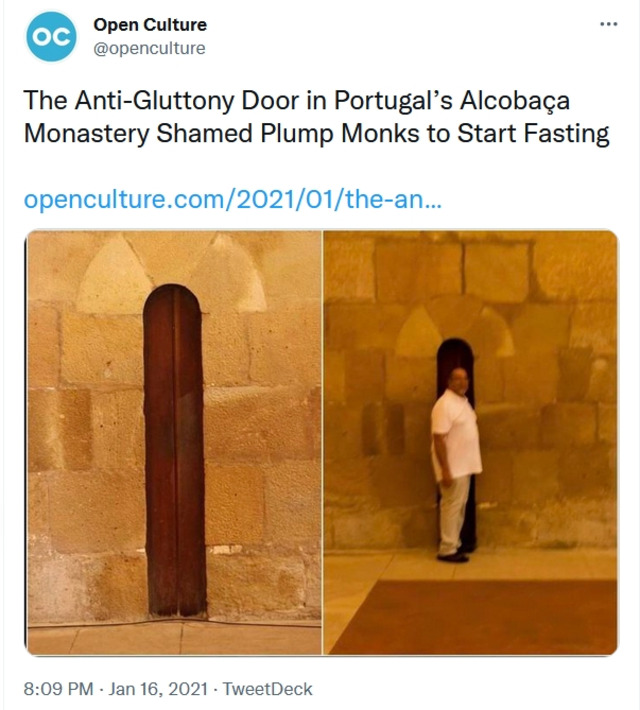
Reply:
x=454, y=557
x=467, y=549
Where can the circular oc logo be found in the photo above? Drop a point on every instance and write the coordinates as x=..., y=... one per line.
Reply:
x=51, y=36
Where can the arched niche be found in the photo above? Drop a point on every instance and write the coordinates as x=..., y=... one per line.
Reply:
x=454, y=353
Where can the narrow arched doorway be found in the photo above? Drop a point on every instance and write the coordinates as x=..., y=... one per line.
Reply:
x=451, y=354
x=174, y=467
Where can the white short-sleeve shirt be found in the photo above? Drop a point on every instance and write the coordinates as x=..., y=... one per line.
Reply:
x=454, y=418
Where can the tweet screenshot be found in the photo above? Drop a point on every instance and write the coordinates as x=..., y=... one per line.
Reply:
x=321, y=343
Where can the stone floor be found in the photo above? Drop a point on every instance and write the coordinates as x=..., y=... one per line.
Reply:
x=349, y=577
x=177, y=637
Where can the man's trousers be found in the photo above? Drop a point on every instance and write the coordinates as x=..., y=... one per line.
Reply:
x=452, y=503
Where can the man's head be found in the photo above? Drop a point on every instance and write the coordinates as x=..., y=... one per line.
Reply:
x=458, y=381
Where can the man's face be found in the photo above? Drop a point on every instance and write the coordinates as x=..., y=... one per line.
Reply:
x=459, y=381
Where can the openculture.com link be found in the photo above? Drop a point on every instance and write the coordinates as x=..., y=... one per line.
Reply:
x=295, y=200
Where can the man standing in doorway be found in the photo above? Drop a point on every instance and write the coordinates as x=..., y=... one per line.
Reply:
x=456, y=457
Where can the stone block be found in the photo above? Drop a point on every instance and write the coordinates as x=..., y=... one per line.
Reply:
x=39, y=537
x=384, y=529
x=575, y=371
x=411, y=379
x=409, y=271
x=454, y=315
x=367, y=529
x=313, y=584
x=227, y=278
x=225, y=350
x=586, y=472
x=260, y=424
x=77, y=589
x=495, y=483
x=342, y=432
x=364, y=375
x=328, y=538
x=293, y=502
x=497, y=236
x=398, y=482
x=57, y=590
x=603, y=382
x=373, y=429
x=535, y=477
x=118, y=429
x=44, y=448
x=74, y=407
x=594, y=325
x=97, y=511
x=334, y=376
x=488, y=379
x=508, y=426
x=395, y=429
x=417, y=431
x=576, y=265
x=362, y=326
x=530, y=379
x=419, y=527
x=489, y=335
x=348, y=269
x=573, y=523
x=169, y=257
x=568, y=425
x=43, y=347
x=313, y=420
x=347, y=479
x=392, y=237
x=114, y=282
x=497, y=272
x=59, y=429
x=101, y=350
x=382, y=429
x=117, y=588
x=258, y=586
x=57, y=261
x=507, y=528
x=541, y=328
x=234, y=504
x=285, y=346
x=608, y=423
x=419, y=336
x=289, y=263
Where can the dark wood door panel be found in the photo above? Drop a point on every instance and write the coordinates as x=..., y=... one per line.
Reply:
x=174, y=452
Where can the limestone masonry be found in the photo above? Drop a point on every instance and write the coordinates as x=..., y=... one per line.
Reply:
x=539, y=312
x=261, y=330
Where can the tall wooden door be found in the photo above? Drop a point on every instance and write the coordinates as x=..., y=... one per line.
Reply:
x=451, y=354
x=174, y=452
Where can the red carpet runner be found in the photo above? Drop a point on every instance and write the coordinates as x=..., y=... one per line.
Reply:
x=484, y=617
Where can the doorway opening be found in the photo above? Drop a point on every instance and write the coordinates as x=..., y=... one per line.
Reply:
x=451, y=354
x=174, y=469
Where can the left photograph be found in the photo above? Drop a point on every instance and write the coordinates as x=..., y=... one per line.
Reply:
x=173, y=445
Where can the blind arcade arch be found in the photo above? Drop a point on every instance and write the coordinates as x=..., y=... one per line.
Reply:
x=174, y=466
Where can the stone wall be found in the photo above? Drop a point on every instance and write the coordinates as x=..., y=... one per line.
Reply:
x=259, y=296
x=539, y=312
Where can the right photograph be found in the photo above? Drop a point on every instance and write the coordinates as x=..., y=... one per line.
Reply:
x=470, y=441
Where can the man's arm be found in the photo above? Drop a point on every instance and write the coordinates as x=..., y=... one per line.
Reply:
x=440, y=447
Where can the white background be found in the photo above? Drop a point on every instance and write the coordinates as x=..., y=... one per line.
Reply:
x=397, y=47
